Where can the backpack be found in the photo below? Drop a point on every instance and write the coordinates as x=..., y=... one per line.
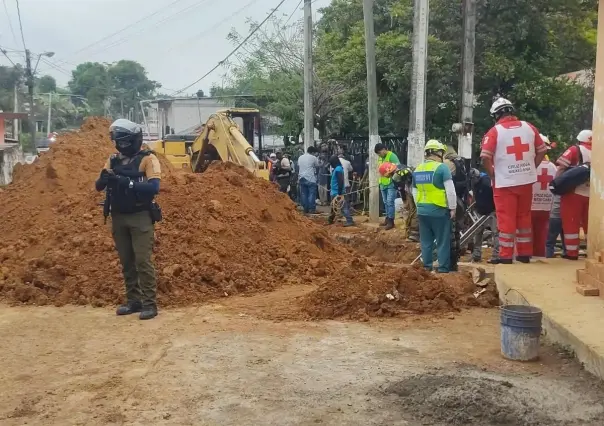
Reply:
x=572, y=177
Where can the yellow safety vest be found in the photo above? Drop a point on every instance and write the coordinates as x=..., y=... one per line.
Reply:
x=427, y=193
x=384, y=181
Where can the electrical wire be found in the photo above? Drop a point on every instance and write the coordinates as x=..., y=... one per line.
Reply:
x=55, y=67
x=144, y=18
x=293, y=11
x=233, y=51
x=10, y=24
x=129, y=37
x=7, y=57
x=21, y=25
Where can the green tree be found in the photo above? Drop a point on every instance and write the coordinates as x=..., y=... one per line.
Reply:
x=270, y=73
x=46, y=84
x=109, y=87
x=522, y=48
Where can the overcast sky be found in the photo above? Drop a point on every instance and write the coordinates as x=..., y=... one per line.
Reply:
x=180, y=42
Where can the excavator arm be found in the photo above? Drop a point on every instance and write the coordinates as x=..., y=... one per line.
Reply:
x=222, y=140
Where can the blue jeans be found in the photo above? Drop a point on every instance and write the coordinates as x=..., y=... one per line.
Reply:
x=435, y=228
x=388, y=196
x=554, y=230
x=308, y=195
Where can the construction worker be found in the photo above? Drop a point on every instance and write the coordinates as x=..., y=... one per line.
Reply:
x=131, y=179
x=484, y=205
x=387, y=187
x=403, y=180
x=511, y=152
x=282, y=169
x=435, y=198
x=574, y=206
x=542, y=202
x=457, y=166
x=338, y=192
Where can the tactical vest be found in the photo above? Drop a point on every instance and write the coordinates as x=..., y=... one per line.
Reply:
x=385, y=181
x=427, y=192
x=123, y=198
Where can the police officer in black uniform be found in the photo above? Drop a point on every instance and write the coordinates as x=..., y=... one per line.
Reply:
x=131, y=180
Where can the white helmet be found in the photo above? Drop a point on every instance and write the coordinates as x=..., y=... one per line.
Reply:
x=545, y=139
x=585, y=136
x=501, y=105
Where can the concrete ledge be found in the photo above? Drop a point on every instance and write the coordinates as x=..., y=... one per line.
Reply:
x=569, y=319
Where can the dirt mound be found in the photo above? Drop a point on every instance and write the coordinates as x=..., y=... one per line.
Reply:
x=363, y=289
x=224, y=232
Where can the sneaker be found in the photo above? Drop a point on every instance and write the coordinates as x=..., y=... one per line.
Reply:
x=129, y=308
x=148, y=313
x=494, y=261
x=347, y=224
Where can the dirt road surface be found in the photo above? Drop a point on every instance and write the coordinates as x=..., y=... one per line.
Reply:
x=237, y=364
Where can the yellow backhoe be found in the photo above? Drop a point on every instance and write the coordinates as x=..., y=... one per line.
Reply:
x=221, y=139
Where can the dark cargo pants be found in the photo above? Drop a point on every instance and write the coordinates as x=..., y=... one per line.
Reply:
x=134, y=236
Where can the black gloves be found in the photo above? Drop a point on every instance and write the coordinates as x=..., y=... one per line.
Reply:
x=104, y=177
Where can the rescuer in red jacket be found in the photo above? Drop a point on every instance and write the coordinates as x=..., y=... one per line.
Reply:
x=511, y=152
x=574, y=206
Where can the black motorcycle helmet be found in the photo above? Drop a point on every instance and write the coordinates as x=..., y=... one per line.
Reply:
x=128, y=136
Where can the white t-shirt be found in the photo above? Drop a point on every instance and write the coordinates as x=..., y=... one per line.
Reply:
x=347, y=166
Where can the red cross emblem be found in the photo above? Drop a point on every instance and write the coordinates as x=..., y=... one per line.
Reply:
x=518, y=148
x=544, y=179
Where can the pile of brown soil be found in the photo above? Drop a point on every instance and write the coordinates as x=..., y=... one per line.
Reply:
x=224, y=232
x=361, y=289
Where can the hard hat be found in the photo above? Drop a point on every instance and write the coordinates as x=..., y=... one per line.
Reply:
x=545, y=140
x=585, y=136
x=273, y=155
x=386, y=168
x=500, y=105
x=434, y=145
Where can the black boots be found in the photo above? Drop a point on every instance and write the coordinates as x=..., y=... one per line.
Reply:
x=385, y=222
x=148, y=312
x=523, y=259
x=389, y=224
x=130, y=308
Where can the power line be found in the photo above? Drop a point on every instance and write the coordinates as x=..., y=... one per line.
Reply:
x=233, y=51
x=7, y=57
x=56, y=67
x=293, y=11
x=10, y=24
x=21, y=24
x=129, y=37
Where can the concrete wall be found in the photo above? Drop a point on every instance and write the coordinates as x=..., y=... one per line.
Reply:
x=10, y=155
x=186, y=113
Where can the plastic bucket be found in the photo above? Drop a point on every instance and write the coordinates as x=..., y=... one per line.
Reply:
x=520, y=332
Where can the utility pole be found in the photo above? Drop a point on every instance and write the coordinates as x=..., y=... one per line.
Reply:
x=309, y=116
x=49, y=113
x=417, y=114
x=372, y=110
x=16, y=109
x=466, y=128
x=30, y=86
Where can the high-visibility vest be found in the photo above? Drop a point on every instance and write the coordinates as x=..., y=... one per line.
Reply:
x=384, y=181
x=427, y=192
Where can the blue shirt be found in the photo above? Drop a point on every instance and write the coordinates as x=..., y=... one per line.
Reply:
x=335, y=185
x=441, y=174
